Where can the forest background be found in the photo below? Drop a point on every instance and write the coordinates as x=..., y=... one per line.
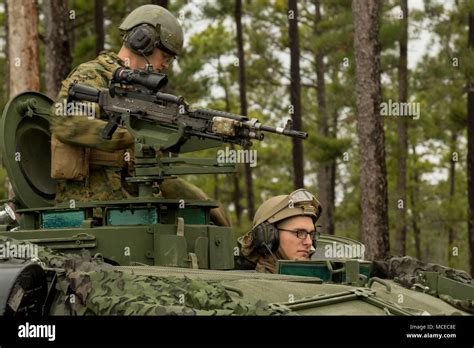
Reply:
x=284, y=59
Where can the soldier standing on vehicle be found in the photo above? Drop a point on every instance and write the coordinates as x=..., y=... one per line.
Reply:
x=283, y=229
x=88, y=167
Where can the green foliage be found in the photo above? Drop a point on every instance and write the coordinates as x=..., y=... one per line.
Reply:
x=328, y=148
x=84, y=50
x=83, y=31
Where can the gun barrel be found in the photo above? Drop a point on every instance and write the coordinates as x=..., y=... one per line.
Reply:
x=288, y=132
x=208, y=113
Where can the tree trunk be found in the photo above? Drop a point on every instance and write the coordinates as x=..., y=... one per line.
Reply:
x=452, y=190
x=243, y=104
x=99, y=26
x=373, y=173
x=6, y=68
x=295, y=91
x=332, y=180
x=23, y=46
x=23, y=61
x=7, y=184
x=414, y=209
x=57, y=52
x=402, y=152
x=470, y=150
x=325, y=169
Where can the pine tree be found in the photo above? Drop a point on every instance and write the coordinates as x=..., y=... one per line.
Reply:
x=402, y=134
x=57, y=51
x=99, y=26
x=373, y=181
x=470, y=148
x=295, y=93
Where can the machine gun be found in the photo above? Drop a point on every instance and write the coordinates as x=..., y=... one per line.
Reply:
x=162, y=122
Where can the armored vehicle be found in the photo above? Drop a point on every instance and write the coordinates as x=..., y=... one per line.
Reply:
x=151, y=255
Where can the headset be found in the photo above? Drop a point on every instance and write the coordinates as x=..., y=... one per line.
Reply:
x=142, y=39
x=266, y=237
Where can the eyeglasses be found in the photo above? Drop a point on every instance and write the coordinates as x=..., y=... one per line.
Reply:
x=303, y=234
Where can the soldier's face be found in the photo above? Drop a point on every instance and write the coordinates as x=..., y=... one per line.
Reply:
x=292, y=247
x=160, y=60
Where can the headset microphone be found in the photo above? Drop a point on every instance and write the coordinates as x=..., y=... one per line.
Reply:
x=270, y=251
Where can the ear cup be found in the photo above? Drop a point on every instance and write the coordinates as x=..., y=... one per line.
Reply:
x=273, y=237
x=142, y=39
x=266, y=236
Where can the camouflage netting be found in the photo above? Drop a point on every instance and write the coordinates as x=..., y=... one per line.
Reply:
x=88, y=286
x=405, y=271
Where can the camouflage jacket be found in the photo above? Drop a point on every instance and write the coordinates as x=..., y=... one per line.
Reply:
x=82, y=130
x=265, y=263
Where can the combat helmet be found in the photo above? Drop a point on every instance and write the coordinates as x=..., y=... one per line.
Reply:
x=169, y=36
x=299, y=202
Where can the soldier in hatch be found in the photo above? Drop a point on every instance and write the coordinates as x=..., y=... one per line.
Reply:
x=283, y=229
x=88, y=167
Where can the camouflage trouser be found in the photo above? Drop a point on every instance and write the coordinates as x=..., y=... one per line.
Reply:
x=102, y=184
x=105, y=183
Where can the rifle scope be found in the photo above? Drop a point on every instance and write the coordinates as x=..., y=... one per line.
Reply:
x=150, y=80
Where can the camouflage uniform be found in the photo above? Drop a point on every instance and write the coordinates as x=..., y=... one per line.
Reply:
x=103, y=182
